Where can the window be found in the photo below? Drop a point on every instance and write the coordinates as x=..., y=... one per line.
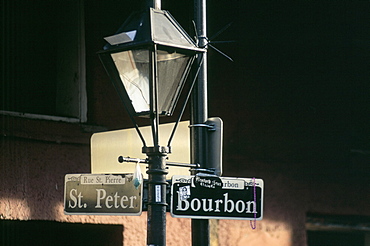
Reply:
x=331, y=230
x=335, y=238
x=33, y=232
x=43, y=60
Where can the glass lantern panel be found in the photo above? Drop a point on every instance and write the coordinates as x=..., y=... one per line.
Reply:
x=133, y=68
x=165, y=29
x=171, y=77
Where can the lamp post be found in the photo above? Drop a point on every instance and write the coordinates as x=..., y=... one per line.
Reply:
x=199, y=114
x=148, y=60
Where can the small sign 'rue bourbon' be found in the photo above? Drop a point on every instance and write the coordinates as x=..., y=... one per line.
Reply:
x=211, y=197
x=101, y=194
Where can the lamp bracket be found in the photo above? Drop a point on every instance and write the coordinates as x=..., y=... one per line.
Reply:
x=209, y=172
x=146, y=161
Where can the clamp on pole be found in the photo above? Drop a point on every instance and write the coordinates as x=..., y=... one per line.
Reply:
x=209, y=127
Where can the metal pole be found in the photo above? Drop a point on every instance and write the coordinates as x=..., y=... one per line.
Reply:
x=155, y=4
x=199, y=115
x=157, y=204
x=157, y=184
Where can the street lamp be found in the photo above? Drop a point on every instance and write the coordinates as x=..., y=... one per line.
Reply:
x=148, y=61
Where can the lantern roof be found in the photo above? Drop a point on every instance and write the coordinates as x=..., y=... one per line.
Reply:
x=153, y=26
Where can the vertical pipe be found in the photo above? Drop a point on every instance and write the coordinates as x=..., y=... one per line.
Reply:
x=153, y=90
x=157, y=204
x=155, y=4
x=157, y=184
x=199, y=104
x=199, y=115
x=199, y=108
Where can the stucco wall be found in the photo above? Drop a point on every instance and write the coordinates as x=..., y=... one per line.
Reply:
x=32, y=176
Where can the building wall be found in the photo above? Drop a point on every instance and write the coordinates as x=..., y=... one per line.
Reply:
x=32, y=176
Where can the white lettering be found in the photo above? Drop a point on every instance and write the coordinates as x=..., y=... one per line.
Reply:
x=87, y=180
x=76, y=201
x=109, y=199
x=226, y=205
x=113, y=180
x=115, y=201
x=73, y=198
x=218, y=205
x=100, y=195
x=116, y=198
x=209, y=209
x=233, y=184
x=239, y=206
x=249, y=207
x=124, y=199
x=102, y=179
x=227, y=201
x=180, y=203
x=198, y=204
x=132, y=201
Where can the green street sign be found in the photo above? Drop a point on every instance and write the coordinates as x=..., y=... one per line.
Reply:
x=102, y=194
x=211, y=197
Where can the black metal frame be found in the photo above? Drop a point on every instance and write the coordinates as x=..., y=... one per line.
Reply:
x=157, y=184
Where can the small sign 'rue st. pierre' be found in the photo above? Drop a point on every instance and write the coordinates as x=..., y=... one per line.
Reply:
x=210, y=197
x=102, y=194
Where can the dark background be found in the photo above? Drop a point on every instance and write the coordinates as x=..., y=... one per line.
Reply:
x=297, y=91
